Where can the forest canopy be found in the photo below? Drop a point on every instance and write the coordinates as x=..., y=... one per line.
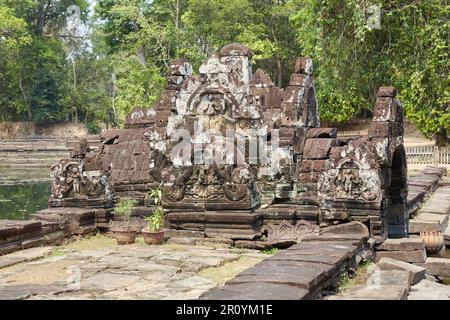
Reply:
x=93, y=61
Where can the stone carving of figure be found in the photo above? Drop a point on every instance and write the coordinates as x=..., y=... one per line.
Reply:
x=94, y=187
x=210, y=104
x=347, y=183
x=76, y=180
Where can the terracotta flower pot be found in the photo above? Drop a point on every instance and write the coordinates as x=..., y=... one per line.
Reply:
x=434, y=241
x=125, y=236
x=151, y=237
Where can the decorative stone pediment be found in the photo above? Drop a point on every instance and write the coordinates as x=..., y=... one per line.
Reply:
x=286, y=232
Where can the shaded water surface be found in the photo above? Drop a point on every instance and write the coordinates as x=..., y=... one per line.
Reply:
x=17, y=202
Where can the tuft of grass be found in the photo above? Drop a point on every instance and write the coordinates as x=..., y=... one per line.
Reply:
x=229, y=270
x=270, y=251
x=140, y=241
x=58, y=252
x=97, y=241
x=345, y=282
x=362, y=273
x=365, y=264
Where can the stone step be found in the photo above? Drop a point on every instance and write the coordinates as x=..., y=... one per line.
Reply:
x=24, y=256
x=37, y=152
x=414, y=256
x=300, y=272
x=416, y=273
x=381, y=285
x=23, y=181
x=447, y=236
x=406, y=244
x=29, y=165
x=434, y=213
x=428, y=222
x=429, y=290
x=438, y=266
x=29, y=160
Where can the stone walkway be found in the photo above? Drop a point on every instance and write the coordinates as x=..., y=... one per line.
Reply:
x=137, y=271
x=395, y=280
x=303, y=271
x=434, y=214
x=400, y=279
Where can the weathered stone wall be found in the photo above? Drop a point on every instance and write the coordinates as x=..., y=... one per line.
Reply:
x=307, y=173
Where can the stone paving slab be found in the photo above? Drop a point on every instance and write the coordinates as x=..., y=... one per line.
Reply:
x=298, y=276
x=416, y=273
x=416, y=256
x=428, y=222
x=429, y=290
x=307, y=267
x=256, y=291
x=382, y=293
x=447, y=236
x=434, y=214
x=117, y=272
x=438, y=266
x=316, y=258
x=408, y=244
x=24, y=256
x=381, y=285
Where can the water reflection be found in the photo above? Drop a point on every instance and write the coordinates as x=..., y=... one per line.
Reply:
x=17, y=202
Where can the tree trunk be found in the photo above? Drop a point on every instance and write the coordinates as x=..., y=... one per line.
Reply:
x=113, y=98
x=280, y=72
x=75, y=86
x=441, y=138
x=141, y=56
x=30, y=115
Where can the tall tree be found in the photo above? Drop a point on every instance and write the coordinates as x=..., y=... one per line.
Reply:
x=409, y=50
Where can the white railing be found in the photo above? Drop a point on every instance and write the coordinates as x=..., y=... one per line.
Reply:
x=428, y=156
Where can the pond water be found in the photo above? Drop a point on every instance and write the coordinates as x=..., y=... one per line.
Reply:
x=17, y=202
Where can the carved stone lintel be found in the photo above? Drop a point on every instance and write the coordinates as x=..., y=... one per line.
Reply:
x=287, y=233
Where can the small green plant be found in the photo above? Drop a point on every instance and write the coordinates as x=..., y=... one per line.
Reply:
x=270, y=251
x=140, y=241
x=366, y=264
x=124, y=209
x=155, y=222
x=344, y=282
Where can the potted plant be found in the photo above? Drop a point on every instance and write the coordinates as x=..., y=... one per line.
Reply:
x=154, y=233
x=124, y=231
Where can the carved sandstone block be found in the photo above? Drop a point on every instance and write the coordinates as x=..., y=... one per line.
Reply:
x=386, y=92
x=299, y=80
x=321, y=133
x=318, y=148
x=312, y=166
x=380, y=129
x=303, y=65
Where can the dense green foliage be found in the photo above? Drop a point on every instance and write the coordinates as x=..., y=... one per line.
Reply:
x=119, y=55
x=410, y=51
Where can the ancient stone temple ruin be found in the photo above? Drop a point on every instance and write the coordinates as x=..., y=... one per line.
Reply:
x=240, y=158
